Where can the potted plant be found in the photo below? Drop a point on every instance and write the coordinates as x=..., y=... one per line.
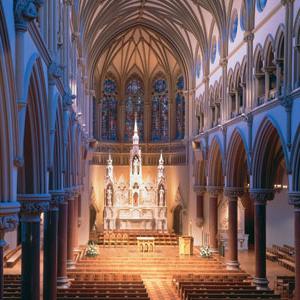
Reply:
x=92, y=249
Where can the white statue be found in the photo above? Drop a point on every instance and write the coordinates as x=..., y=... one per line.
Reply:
x=109, y=196
x=135, y=165
x=161, y=196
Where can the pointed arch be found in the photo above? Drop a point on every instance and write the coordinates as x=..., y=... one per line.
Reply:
x=215, y=163
x=268, y=153
x=238, y=160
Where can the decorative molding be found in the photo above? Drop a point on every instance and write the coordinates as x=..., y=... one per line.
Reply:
x=68, y=100
x=57, y=198
x=54, y=70
x=9, y=218
x=233, y=192
x=294, y=199
x=214, y=191
x=199, y=189
x=25, y=11
x=32, y=205
x=261, y=196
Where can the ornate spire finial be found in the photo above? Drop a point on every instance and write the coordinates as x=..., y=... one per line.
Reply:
x=135, y=138
x=161, y=159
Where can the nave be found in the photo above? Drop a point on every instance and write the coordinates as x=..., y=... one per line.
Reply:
x=123, y=272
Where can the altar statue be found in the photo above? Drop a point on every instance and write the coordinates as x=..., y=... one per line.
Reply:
x=109, y=196
x=161, y=197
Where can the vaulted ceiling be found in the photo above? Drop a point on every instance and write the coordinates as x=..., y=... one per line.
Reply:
x=169, y=29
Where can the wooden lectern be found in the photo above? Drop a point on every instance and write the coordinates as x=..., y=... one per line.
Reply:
x=186, y=244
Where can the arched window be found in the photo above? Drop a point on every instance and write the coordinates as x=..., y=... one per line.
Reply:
x=160, y=110
x=180, y=109
x=109, y=111
x=134, y=106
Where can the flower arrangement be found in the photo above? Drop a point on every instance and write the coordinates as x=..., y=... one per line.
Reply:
x=205, y=251
x=92, y=249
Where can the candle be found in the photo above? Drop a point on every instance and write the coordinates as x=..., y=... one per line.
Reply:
x=190, y=229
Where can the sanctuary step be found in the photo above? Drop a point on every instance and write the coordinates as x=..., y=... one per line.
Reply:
x=128, y=238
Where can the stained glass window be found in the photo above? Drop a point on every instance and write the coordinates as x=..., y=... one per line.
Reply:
x=234, y=26
x=213, y=50
x=180, y=109
x=160, y=110
x=134, y=105
x=109, y=111
x=261, y=4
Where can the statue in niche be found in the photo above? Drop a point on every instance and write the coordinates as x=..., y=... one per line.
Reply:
x=161, y=197
x=135, y=166
x=109, y=196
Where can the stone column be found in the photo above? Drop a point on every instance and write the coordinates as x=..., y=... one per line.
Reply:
x=32, y=205
x=199, y=190
x=213, y=216
x=249, y=101
x=294, y=199
x=260, y=198
x=75, y=231
x=62, y=278
x=8, y=222
x=70, y=238
x=51, y=245
x=233, y=194
x=225, y=105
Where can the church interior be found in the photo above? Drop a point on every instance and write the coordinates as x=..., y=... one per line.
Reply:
x=149, y=149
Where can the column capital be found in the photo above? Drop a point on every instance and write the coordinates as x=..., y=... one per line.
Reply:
x=199, y=189
x=214, y=191
x=294, y=199
x=54, y=70
x=248, y=36
x=32, y=205
x=223, y=62
x=9, y=216
x=233, y=192
x=285, y=2
x=261, y=196
x=57, y=198
x=25, y=11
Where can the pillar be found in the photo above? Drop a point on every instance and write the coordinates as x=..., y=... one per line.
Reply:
x=62, y=278
x=213, y=217
x=294, y=199
x=70, y=237
x=249, y=101
x=8, y=222
x=75, y=231
x=32, y=205
x=260, y=198
x=51, y=245
x=232, y=257
x=199, y=190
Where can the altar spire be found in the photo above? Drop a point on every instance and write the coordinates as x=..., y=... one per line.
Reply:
x=135, y=138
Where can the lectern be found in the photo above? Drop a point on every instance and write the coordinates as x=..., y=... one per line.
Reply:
x=186, y=244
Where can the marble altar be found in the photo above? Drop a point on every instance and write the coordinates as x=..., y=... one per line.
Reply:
x=138, y=204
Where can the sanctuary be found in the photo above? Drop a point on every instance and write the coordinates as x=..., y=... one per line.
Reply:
x=136, y=204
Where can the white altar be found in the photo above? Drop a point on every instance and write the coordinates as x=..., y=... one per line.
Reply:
x=137, y=204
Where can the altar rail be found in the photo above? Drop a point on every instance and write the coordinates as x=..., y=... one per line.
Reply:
x=174, y=153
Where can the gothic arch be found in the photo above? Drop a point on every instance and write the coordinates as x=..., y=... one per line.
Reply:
x=295, y=162
x=33, y=175
x=238, y=160
x=215, y=163
x=9, y=134
x=268, y=153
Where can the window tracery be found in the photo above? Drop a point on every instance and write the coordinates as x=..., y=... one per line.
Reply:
x=134, y=107
x=160, y=111
x=180, y=109
x=109, y=111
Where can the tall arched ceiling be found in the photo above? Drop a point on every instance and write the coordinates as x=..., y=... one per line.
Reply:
x=182, y=25
x=138, y=50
